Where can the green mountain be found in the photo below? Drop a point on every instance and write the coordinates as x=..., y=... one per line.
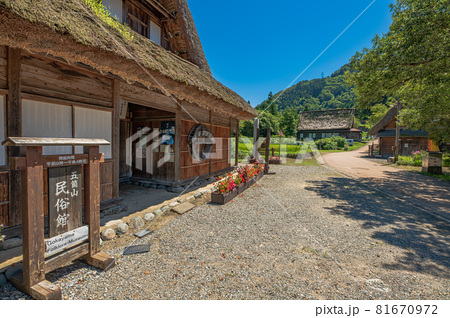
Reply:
x=328, y=93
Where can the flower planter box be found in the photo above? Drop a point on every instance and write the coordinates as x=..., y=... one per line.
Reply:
x=241, y=188
x=275, y=161
x=259, y=175
x=223, y=198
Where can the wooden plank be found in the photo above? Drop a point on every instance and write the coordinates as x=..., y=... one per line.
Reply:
x=92, y=198
x=58, y=76
x=106, y=192
x=115, y=138
x=177, y=146
x=14, y=129
x=33, y=218
x=46, y=95
x=65, y=204
x=142, y=96
x=211, y=130
x=236, y=154
x=35, y=141
x=58, y=261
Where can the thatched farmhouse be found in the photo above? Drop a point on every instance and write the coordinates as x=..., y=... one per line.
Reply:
x=410, y=140
x=135, y=75
x=320, y=124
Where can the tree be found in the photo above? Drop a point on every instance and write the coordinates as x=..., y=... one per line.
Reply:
x=289, y=122
x=411, y=62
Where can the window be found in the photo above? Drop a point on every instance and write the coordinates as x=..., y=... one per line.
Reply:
x=41, y=119
x=115, y=7
x=47, y=120
x=155, y=33
x=92, y=123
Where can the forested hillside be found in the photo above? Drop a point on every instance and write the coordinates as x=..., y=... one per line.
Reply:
x=280, y=111
x=328, y=93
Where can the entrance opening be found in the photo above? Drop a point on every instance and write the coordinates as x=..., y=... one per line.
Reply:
x=147, y=138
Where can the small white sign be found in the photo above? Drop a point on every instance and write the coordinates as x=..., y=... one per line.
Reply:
x=406, y=145
x=61, y=242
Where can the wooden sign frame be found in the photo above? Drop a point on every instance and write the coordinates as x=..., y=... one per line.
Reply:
x=35, y=265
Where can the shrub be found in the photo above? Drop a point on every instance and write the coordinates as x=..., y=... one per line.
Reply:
x=332, y=143
x=2, y=237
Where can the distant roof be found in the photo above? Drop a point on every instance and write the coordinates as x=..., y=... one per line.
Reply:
x=383, y=122
x=404, y=133
x=336, y=119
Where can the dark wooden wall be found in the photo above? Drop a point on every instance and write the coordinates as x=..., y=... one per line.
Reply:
x=221, y=154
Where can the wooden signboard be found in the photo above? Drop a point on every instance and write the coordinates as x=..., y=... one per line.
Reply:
x=40, y=254
x=66, y=240
x=65, y=205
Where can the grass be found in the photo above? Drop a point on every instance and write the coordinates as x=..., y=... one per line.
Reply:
x=356, y=145
x=443, y=176
x=445, y=170
x=289, y=150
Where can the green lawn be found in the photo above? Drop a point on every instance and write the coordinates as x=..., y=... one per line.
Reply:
x=291, y=150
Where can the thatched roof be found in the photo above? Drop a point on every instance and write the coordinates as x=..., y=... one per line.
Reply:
x=336, y=119
x=75, y=31
x=383, y=122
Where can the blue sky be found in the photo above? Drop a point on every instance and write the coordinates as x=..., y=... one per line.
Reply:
x=255, y=47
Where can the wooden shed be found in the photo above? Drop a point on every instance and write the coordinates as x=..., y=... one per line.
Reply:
x=135, y=75
x=410, y=140
x=320, y=124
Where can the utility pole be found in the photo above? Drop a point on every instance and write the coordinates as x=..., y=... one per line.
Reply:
x=397, y=132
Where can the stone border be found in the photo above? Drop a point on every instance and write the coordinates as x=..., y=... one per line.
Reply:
x=139, y=220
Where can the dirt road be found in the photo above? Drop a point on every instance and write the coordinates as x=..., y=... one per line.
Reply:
x=428, y=193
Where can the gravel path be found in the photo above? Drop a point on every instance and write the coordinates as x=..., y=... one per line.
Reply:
x=304, y=233
x=431, y=194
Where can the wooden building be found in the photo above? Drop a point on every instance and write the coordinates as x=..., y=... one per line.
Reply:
x=137, y=78
x=320, y=124
x=410, y=140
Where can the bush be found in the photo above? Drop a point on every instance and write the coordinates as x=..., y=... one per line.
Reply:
x=332, y=143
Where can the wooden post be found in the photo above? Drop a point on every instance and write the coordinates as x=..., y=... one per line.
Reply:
x=115, y=142
x=211, y=130
x=92, y=209
x=266, y=167
x=255, y=137
x=397, y=133
x=14, y=129
x=236, y=158
x=177, y=150
x=33, y=221
x=32, y=281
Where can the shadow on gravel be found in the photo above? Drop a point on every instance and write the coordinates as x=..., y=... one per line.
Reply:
x=423, y=237
x=432, y=192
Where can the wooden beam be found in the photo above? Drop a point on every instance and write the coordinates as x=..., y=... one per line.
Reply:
x=236, y=159
x=116, y=137
x=211, y=131
x=177, y=149
x=37, y=141
x=33, y=218
x=92, y=197
x=14, y=129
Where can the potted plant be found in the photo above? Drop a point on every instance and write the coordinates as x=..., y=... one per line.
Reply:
x=225, y=190
x=275, y=161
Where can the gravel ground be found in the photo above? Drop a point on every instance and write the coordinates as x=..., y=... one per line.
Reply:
x=304, y=233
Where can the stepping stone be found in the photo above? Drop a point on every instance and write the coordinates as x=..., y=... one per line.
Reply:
x=183, y=208
x=142, y=233
x=137, y=249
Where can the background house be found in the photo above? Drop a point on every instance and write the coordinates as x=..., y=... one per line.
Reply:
x=69, y=70
x=320, y=124
x=410, y=140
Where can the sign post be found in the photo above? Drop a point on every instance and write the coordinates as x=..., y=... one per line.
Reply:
x=68, y=238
